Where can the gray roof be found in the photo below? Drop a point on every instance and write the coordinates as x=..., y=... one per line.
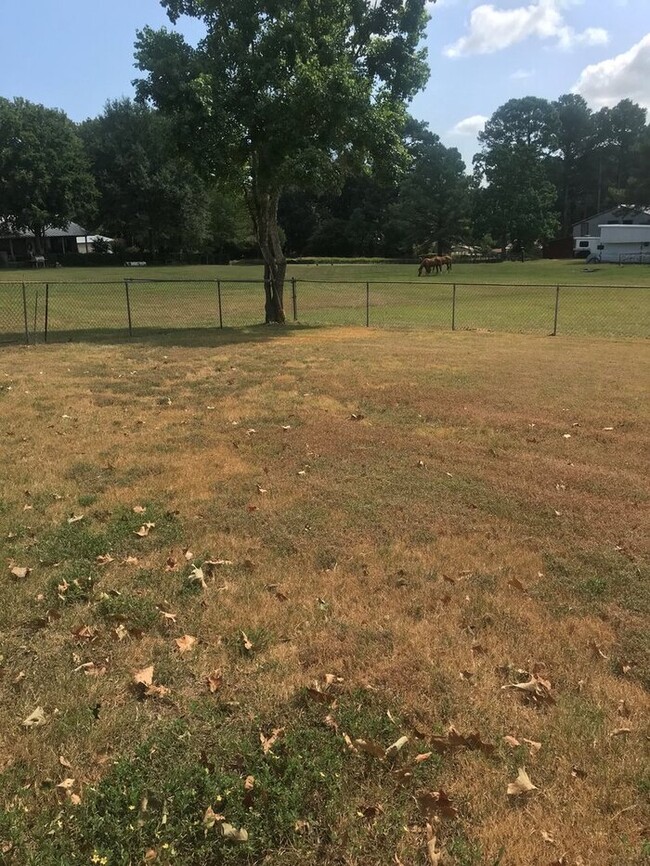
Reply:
x=621, y=210
x=72, y=230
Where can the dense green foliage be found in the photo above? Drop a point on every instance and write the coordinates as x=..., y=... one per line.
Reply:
x=44, y=174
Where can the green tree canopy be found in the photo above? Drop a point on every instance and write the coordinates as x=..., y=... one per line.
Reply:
x=286, y=93
x=149, y=194
x=432, y=207
x=518, y=202
x=44, y=174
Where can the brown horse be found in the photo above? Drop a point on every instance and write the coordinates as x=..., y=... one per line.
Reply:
x=429, y=264
x=446, y=260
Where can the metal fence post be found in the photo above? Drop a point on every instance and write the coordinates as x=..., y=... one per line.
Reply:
x=47, y=307
x=557, y=309
x=35, y=313
x=367, y=305
x=25, y=314
x=128, y=307
x=219, y=299
x=294, y=299
x=453, y=307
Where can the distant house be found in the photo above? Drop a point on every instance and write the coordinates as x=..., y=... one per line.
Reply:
x=20, y=246
x=624, y=214
x=86, y=244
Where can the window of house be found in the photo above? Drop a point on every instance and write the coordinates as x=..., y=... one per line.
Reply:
x=584, y=243
x=628, y=222
x=612, y=222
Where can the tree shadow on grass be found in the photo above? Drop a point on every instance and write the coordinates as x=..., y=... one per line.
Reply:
x=184, y=337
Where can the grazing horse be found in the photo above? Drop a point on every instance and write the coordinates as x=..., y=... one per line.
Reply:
x=446, y=260
x=429, y=264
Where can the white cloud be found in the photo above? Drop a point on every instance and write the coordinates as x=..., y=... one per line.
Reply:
x=625, y=76
x=492, y=29
x=470, y=125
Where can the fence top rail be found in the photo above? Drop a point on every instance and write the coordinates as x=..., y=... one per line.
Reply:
x=254, y=282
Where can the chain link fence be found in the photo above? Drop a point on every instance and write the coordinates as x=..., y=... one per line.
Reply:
x=35, y=312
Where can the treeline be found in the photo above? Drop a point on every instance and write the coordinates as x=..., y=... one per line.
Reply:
x=541, y=167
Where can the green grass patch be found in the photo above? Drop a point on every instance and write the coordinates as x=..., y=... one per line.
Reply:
x=135, y=612
x=312, y=798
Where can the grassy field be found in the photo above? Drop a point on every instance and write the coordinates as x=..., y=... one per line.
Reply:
x=511, y=297
x=324, y=542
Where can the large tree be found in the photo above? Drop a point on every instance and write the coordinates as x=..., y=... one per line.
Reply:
x=517, y=204
x=286, y=93
x=44, y=174
x=431, y=212
x=573, y=169
x=149, y=193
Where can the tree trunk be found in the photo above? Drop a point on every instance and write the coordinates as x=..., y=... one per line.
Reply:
x=264, y=210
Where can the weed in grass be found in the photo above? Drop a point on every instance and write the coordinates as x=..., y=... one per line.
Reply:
x=123, y=524
x=135, y=612
x=463, y=851
x=73, y=584
x=87, y=499
x=91, y=475
x=76, y=541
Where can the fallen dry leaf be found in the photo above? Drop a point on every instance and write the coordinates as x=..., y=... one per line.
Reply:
x=150, y=855
x=269, y=742
x=143, y=677
x=35, y=719
x=139, y=509
x=20, y=571
x=144, y=530
x=185, y=643
x=210, y=818
x=214, y=681
x=423, y=757
x=533, y=745
x=623, y=709
x=455, y=740
x=547, y=837
x=433, y=852
x=196, y=576
x=119, y=632
x=513, y=742
x=75, y=518
x=516, y=584
x=521, y=785
x=396, y=747
x=538, y=689
x=232, y=834
x=104, y=559
x=85, y=632
x=369, y=747
x=130, y=560
x=619, y=732
x=432, y=803
x=596, y=651
x=246, y=642
x=65, y=763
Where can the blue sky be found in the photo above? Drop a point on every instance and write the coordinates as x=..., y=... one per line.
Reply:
x=481, y=54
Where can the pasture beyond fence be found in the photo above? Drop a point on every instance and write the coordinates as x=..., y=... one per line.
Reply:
x=53, y=311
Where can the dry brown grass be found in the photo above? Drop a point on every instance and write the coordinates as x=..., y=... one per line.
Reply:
x=409, y=524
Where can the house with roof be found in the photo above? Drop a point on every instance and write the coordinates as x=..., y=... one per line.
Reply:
x=622, y=215
x=20, y=247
